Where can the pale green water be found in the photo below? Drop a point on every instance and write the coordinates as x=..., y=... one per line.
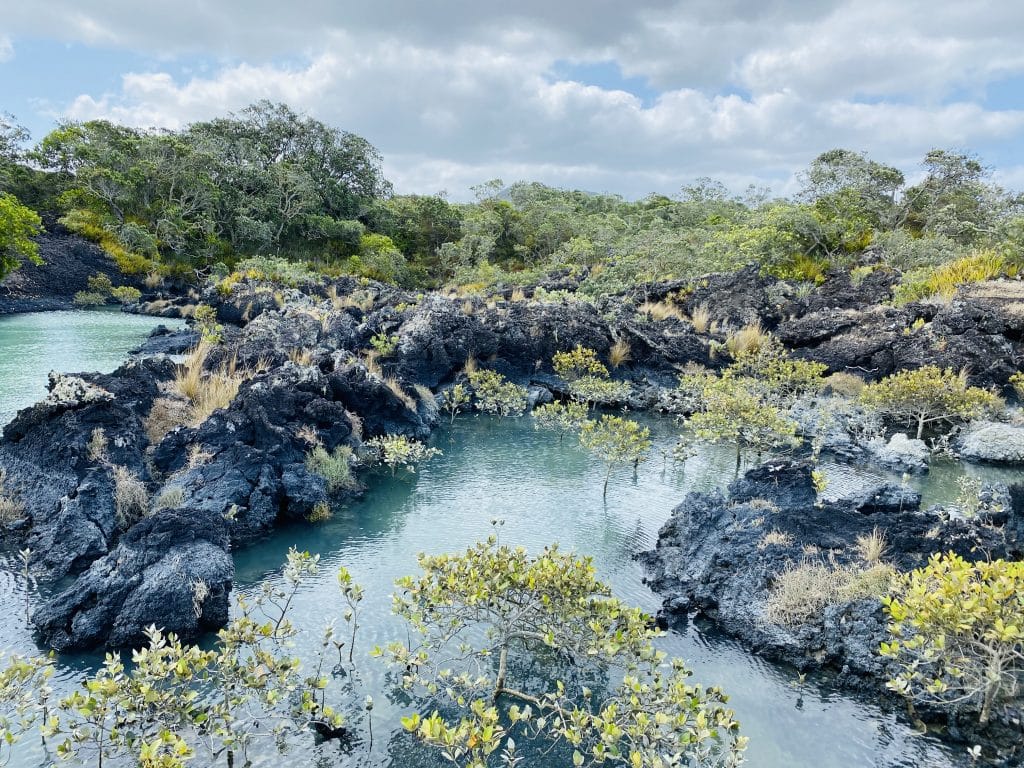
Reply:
x=545, y=492
x=33, y=344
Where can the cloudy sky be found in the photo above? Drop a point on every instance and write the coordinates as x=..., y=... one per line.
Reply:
x=603, y=95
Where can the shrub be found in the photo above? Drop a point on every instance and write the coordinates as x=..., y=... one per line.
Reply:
x=560, y=417
x=205, y=318
x=615, y=440
x=476, y=612
x=497, y=395
x=394, y=451
x=454, y=398
x=929, y=395
x=578, y=363
x=957, y=632
x=334, y=467
x=845, y=384
x=126, y=294
x=89, y=299
x=1017, y=382
x=384, y=344
x=320, y=513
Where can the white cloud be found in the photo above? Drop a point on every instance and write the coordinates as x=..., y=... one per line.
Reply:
x=463, y=91
x=6, y=49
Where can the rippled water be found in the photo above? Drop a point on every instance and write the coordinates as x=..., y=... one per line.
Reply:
x=33, y=344
x=545, y=491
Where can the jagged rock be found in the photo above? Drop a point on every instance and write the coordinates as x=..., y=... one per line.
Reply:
x=712, y=558
x=900, y=453
x=883, y=498
x=73, y=391
x=995, y=442
x=149, y=578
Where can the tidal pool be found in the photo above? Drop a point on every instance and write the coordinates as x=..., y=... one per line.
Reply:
x=544, y=491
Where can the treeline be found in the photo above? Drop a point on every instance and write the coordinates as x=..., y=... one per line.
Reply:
x=267, y=181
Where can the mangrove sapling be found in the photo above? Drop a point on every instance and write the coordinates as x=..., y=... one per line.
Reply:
x=394, y=451
x=24, y=698
x=472, y=610
x=616, y=440
x=560, y=417
x=734, y=410
x=957, y=634
x=497, y=395
x=929, y=396
x=587, y=377
x=453, y=399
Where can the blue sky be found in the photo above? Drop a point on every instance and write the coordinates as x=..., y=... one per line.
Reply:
x=607, y=96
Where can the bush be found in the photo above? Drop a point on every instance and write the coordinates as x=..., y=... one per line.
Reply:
x=929, y=395
x=89, y=299
x=394, y=451
x=334, y=467
x=957, y=633
x=615, y=440
x=126, y=294
x=497, y=395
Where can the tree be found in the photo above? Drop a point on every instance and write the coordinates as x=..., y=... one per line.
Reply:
x=734, y=410
x=497, y=395
x=18, y=225
x=587, y=377
x=615, y=440
x=560, y=417
x=394, y=451
x=929, y=395
x=857, y=194
x=478, y=611
x=957, y=633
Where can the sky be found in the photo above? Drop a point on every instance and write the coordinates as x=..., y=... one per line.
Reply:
x=602, y=95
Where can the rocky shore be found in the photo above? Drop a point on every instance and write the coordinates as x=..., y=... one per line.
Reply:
x=303, y=358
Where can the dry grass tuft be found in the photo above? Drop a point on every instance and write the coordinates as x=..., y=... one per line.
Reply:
x=169, y=499
x=468, y=307
x=11, y=509
x=872, y=547
x=131, y=499
x=775, y=539
x=518, y=295
x=166, y=414
x=427, y=399
x=371, y=362
x=700, y=318
x=803, y=591
x=620, y=353
x=747, y=340
x=206, y=391
x=661, y=310
x=396, y=386
x=470, y=365
x=302, y=357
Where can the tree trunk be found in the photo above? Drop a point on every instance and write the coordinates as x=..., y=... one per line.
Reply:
x=920, y=426
x=499, y=684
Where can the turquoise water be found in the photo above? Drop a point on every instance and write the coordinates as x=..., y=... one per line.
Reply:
x=544, y=491
x=33, y=344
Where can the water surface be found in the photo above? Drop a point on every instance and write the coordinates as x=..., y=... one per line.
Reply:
x=545, y=491
x=35, y=343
